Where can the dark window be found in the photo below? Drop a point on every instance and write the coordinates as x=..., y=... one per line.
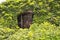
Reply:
x=25, y=19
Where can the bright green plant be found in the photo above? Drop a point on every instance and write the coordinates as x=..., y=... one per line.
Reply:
x=43, y=31
x=46, y=20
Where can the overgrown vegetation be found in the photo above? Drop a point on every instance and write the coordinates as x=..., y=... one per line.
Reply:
x=46, y=21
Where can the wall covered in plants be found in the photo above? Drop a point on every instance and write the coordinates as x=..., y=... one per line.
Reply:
x=46, y=20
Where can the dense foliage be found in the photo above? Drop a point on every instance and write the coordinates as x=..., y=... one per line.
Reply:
x=43, y=31
x=46, y=20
